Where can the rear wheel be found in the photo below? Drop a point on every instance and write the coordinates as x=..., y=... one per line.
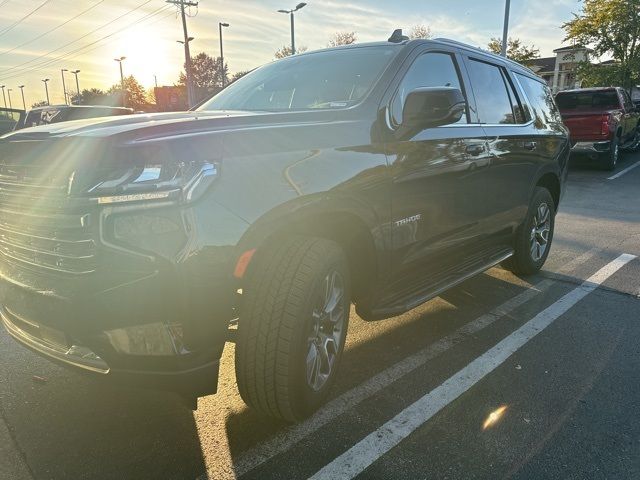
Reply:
x=533, y=238
x=292, y=327
x=612, y=155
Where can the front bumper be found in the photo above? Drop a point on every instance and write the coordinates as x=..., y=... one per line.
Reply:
x=198, y=380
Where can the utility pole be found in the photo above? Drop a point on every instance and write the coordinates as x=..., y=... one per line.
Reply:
x=64, y=88
x=181, y=4
x=9, y=95
x=222, y=73
x=3, y=96
x=505, y=29
x=24, y=105
x=46, y=89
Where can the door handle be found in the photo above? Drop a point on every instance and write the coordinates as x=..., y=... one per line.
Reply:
x=475, y=149
x=530, y=145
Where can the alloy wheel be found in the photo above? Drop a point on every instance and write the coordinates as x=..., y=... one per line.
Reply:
x=540, y=230
x=327, y=331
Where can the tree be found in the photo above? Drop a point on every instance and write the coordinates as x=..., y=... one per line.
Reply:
x=599, y=75
x=239, y=75
x=342, y=38
x=420, y=31
x=285, y=51
x=206, y=72
x=41, y=103
x=93, y=96
x=610, y=27
x=135, y=95
x=516, y=50
x=151, y=96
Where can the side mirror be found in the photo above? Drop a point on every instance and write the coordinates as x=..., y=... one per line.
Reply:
x=428, y=107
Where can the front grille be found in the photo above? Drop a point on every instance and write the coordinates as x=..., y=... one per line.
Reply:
x=40, y=227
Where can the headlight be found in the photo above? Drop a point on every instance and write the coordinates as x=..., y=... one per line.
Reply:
x=177, y=181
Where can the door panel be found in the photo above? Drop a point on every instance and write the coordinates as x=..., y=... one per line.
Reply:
x=439, y=181
x=439, y=177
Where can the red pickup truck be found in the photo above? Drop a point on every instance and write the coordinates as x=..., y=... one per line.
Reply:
x=601, y=121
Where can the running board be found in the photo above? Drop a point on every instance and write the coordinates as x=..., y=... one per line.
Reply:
x=432, y=291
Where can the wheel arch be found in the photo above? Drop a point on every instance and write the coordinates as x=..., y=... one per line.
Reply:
x=551, y=182
x=344, y=220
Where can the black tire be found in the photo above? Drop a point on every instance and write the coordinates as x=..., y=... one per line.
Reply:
x=613, y=155
x=523, y=262
x=277, y=320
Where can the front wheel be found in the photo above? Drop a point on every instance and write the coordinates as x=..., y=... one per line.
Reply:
x=292, y=328
x=533, y=238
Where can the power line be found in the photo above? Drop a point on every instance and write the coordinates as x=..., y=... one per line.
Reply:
x=3, y=3
x=77, y=39
x=51, y=30
x=18, y=22
x=82, y=50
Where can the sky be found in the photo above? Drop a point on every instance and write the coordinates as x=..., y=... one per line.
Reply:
x=87, y=35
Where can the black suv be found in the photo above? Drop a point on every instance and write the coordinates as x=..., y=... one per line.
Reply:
x=380, y=174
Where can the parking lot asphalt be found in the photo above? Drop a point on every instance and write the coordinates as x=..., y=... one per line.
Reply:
x=501, y=377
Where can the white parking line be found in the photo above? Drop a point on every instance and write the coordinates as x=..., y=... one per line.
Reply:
x=355, y=460
x=288, y=437
x=622, y=172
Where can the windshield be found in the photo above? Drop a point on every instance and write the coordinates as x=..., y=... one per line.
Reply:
x=323, y=80
x=588, y=100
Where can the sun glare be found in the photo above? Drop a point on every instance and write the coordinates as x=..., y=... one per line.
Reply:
x=147, y=54
x=494, y=417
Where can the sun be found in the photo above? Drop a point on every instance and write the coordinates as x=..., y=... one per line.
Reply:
x=149, y=54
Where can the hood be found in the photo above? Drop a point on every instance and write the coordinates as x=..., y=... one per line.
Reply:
x=109, y=126
x=158, y=125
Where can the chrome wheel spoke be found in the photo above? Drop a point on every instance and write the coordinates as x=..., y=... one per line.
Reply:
x=326, y=331
x=313, y=364
x=540, y=231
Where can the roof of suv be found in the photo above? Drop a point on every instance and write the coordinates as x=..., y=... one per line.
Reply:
x=442, y=41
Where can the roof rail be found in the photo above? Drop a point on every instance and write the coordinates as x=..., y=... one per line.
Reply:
x=480, y=50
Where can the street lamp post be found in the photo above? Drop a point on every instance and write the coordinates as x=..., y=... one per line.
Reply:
x=3, y=96
x=9, y=97
x=76, y=72
x=64, y=87
x=46, y=89
x=24, y=105
x=293, y=35
x=220, y=25
x=123, y=92
x=505, y=28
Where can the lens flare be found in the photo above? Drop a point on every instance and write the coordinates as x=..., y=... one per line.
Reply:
x=494, y=417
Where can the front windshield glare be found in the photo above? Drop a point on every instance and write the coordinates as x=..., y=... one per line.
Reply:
x=322, y=80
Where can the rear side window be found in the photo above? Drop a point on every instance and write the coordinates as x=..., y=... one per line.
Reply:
x=544, y=110
x=628, y=104
x=493, y=99
x=428, y=70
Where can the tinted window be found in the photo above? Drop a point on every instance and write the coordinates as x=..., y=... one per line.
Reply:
x=588, y=100
x=628, y=104
x=544, y=110
x=492, y=99
x=429, y=70
x=322, y=80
